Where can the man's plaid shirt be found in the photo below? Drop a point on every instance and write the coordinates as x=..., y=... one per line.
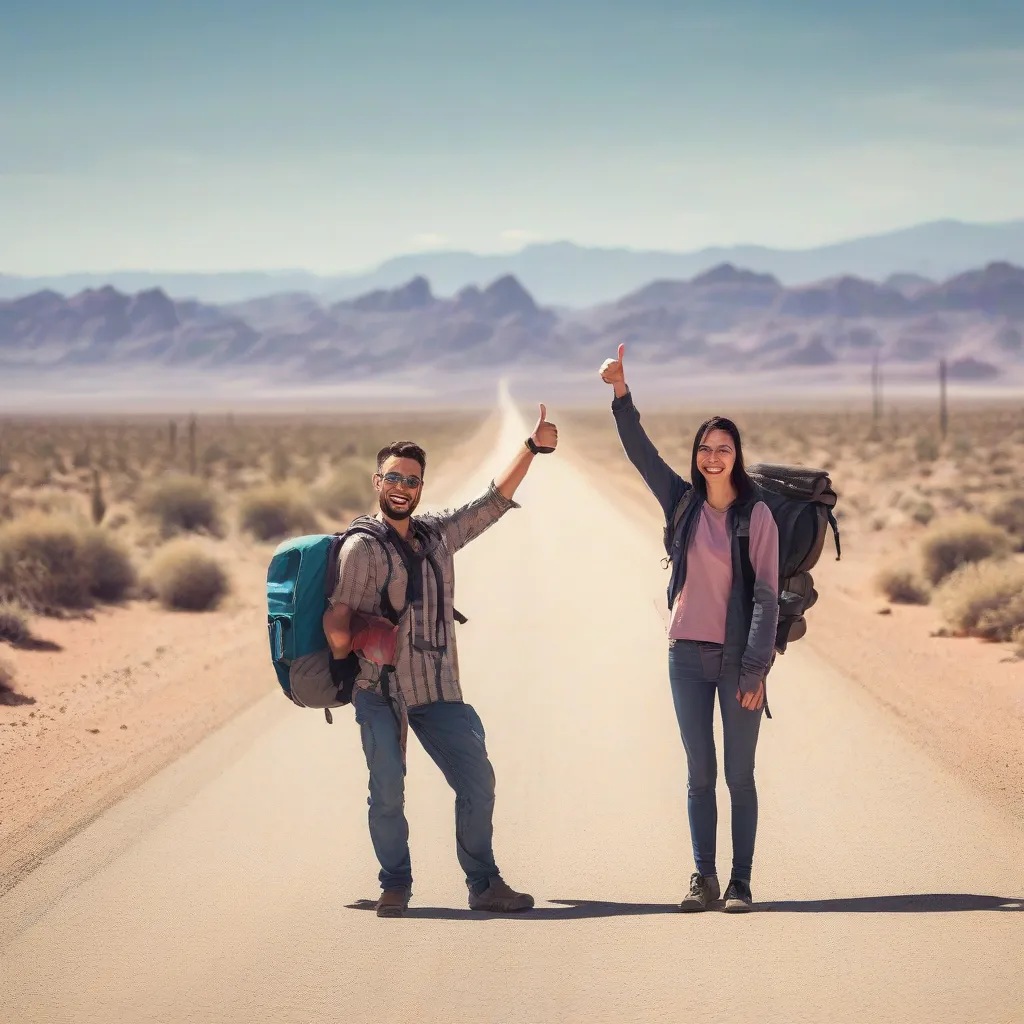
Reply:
x=426, y=659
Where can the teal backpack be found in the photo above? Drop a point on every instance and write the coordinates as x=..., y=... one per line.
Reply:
x=301, y=577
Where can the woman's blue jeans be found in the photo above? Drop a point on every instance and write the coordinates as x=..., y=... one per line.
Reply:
x=695, y=674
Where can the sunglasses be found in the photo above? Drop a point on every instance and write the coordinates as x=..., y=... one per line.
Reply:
x=398, y=478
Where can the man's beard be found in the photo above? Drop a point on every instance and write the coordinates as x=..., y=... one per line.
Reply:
x=397, y=513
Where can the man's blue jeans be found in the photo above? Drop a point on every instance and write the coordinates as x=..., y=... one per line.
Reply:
x=695, y=674
x=453, y=735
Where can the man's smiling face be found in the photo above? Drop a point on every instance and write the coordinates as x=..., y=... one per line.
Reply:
x=399, y=486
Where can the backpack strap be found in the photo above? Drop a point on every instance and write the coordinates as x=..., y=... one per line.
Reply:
x=672, y=524
x=332, y=566
x=743, y=536
x=410, y=559
x=385, y=591
x=342, y=671
x=743, y=514
x=413, y=562
x=835, y=533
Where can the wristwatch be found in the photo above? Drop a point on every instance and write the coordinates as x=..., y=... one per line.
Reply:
x=537, y=449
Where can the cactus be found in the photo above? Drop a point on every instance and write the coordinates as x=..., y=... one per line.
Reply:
x=82, y=458
x=192, y=445
x=99, y=506
x=279, y=464
x=876, y=389
x=943, y=412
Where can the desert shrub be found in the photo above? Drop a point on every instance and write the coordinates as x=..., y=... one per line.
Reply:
x=275, y=511
x=926, y=448
x=8, y=695
x=48, y=563
x=923, y=513
x=182, y=504
x=50, y=501
x=118, y=519
x=306, y=471
x=962, y=445
x=183, y=576
x=212, y=454
x=279, y=463
x=14, y=627
x=350, y=489
x=42, y=564
x=1009, y=515
x=111, y=573
x=951, y=543
x=984, y=599
x=1018, y=642
x=902, y=585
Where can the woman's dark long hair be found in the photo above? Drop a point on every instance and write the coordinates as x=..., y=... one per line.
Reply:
x=740, y=480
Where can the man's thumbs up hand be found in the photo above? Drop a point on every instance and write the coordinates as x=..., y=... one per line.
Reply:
x=545, y=434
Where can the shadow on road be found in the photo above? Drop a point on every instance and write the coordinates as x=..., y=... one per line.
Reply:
x=13, y=699
x=571, y=910
x=921, y=903
x=35, y=643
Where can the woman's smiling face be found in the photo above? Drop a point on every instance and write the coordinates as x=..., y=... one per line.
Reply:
x=716, y=455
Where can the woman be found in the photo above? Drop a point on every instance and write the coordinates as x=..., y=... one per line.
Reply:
x=722, y=629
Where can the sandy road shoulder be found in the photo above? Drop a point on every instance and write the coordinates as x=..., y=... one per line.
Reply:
x=133, y=689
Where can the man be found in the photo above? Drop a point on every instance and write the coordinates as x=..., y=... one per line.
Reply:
x=423, y=693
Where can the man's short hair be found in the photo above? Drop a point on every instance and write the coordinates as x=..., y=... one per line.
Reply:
x=402, y=450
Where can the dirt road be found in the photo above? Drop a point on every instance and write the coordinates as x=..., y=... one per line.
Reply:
x=228, y=887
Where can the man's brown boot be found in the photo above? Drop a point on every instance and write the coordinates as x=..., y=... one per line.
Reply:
x=394, y=902
x=498, y=898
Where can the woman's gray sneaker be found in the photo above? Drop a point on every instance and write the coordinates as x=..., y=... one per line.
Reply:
x=737, y=897
x=704, y=890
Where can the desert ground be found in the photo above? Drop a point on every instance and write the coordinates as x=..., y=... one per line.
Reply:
x=211, y=861
x=96, y=696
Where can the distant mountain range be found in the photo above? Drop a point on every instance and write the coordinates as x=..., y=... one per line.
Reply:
x=563, y=274
x=726, y=320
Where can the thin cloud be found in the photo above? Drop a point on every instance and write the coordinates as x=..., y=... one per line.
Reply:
x=428, y=240
x=936, y=114
x=990, y=59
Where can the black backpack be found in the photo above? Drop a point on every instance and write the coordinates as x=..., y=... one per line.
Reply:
x=801, y=502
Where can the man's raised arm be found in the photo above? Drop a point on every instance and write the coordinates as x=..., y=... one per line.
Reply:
x=469, y=521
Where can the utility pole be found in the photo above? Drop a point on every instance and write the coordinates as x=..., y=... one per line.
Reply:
x=876, y=389
x=943, y=411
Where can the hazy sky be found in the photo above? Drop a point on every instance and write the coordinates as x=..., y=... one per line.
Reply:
x=221, y=134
